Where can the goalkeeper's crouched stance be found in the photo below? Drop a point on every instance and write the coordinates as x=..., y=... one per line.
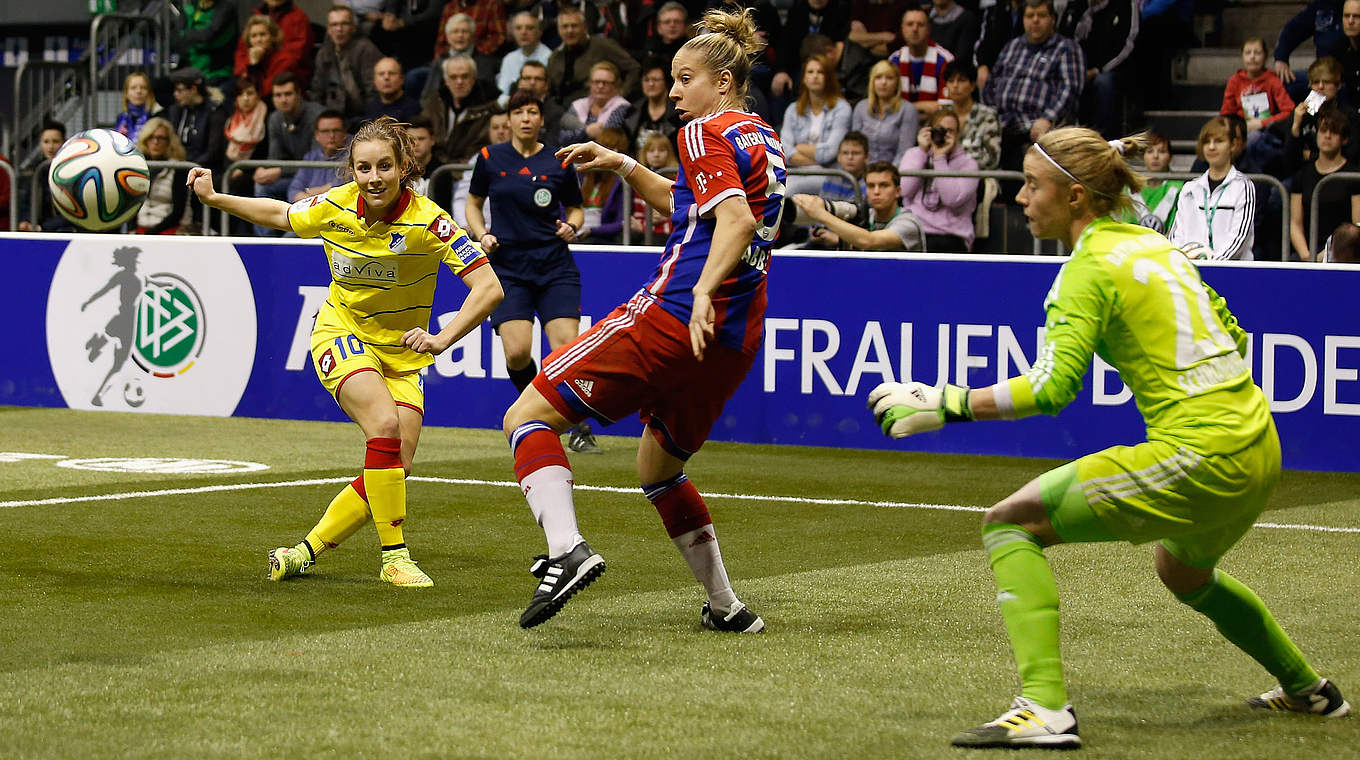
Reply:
x=1196, y=486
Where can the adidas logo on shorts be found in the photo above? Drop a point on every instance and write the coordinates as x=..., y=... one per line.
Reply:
x=586, y=386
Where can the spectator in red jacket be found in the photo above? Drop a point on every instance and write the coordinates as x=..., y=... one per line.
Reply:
x=295, y=51
x=1256, y=93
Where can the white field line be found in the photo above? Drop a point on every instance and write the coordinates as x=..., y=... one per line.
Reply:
x=578, y=487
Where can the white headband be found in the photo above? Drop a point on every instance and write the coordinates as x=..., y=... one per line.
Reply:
x=1118, y=146
x=1072, y=176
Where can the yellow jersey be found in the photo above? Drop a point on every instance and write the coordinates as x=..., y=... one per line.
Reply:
x=383, y=275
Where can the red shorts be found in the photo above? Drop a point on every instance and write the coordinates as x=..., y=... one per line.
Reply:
x=639, y=359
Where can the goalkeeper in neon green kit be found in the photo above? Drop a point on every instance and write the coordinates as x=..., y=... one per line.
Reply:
x=1196, y=485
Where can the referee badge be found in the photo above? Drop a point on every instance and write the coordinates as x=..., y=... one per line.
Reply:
x=542, y=197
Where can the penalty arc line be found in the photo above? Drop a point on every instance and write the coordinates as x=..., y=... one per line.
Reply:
x=578, y=487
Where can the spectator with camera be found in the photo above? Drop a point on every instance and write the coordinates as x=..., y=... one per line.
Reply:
x=944, y=205
x=889, y=227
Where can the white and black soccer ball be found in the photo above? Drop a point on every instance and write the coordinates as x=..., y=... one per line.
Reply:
x=133, y=392
x=98, y=179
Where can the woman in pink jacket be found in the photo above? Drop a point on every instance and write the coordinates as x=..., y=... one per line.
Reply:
x=944, y=205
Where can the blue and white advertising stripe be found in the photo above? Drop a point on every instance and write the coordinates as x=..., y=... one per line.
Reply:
x=836, y=326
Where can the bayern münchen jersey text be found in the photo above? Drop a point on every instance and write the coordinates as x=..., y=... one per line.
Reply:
x=731, y=153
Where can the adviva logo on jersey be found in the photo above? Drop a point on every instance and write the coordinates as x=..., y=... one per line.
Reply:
x=135, y=324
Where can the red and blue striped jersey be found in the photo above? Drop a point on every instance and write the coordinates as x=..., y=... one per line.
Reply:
x=731, y=153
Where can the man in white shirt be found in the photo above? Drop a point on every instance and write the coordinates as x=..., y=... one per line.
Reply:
x=524, y=27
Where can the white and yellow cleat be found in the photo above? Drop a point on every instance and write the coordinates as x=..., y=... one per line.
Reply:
x=285, y=562
x=1026, y=724
x=400, y=570
x=1322, y=698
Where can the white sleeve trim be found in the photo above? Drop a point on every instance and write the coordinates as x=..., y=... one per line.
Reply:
x=1005, y=405
x=715, y=200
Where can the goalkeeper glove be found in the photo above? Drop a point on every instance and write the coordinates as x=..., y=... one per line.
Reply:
x=903, y=409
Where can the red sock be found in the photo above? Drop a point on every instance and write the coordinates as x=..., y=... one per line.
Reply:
x=536, y=446
x=382, y=454
x=678, y=502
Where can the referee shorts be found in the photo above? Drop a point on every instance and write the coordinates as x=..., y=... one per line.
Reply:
x=542, y=281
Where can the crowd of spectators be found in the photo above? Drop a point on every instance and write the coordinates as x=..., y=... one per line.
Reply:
x=931, y=87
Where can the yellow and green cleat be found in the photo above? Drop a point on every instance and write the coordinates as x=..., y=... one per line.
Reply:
x=285, y=562
x=400, y=570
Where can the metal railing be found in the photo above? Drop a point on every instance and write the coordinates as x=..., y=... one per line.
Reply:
x=41, y=89
x=1266, y=178
x=1036, y=247
x=115, y=38
x=261, y=163
x=206, y=228
x=1314, y=206
x=13, y=175
x=39, y=177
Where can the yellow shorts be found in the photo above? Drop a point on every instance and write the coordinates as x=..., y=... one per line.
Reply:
x=337, y=355
x=1198, y=505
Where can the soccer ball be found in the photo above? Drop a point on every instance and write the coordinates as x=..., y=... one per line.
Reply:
x=133, y=393
x=98, y=179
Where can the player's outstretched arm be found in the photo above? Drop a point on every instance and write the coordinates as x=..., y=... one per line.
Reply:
x=265, y=212
x=903, y=409
x=654, y=188
x=484, y=295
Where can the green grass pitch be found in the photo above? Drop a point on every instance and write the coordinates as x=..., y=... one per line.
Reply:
x=143, y=626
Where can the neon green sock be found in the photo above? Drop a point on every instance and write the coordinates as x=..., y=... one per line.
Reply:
x=1242, y=618
x=1028, y=597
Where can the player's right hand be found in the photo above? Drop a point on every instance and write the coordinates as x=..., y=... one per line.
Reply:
x=591, y=157
x=201, y=182
x=903, y=409
x=489, y=243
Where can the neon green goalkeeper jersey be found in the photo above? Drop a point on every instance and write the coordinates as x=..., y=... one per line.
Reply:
x=1128, y=295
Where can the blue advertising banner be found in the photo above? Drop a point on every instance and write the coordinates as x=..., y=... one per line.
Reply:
x=220, y=326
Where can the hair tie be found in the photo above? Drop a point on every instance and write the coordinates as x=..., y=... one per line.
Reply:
x=1118, y=146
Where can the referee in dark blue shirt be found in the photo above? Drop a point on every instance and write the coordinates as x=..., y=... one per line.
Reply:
x=536, y=210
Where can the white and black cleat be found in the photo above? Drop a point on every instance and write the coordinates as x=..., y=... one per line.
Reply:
x=561, y=577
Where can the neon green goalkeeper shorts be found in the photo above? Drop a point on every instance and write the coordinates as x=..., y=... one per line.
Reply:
x=1198, y=505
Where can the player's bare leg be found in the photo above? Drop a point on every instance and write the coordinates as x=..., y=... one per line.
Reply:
x=690, y=527
x=532, y=427
x=561, y=331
